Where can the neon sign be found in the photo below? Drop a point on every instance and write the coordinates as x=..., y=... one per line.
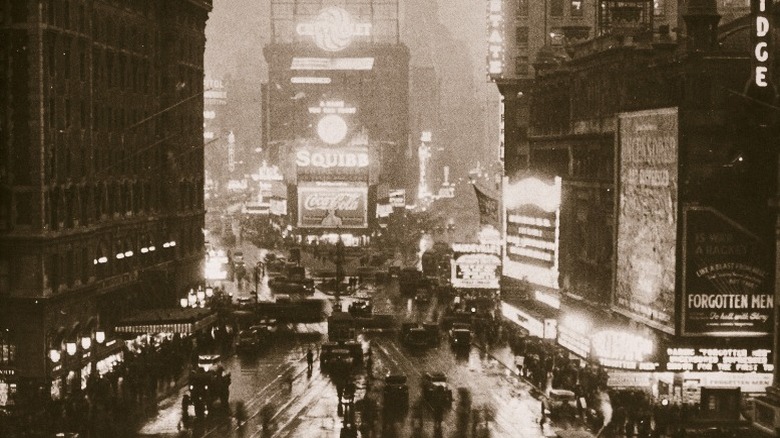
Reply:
x=333, y=29
x=331, y=158
x=495, y=38
x=762, y=39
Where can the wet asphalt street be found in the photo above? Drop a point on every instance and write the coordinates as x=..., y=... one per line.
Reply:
x=501, y=405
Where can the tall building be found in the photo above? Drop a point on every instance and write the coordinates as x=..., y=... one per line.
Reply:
x=659, y=148
x=101, y=175
x=336, y=110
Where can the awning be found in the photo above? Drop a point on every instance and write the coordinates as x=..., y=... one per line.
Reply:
x=167, y=321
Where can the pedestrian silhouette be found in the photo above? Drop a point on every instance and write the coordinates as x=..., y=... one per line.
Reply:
x=310, y=360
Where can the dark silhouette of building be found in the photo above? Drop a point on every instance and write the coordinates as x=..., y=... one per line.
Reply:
x=665, y=150
x=101, y=178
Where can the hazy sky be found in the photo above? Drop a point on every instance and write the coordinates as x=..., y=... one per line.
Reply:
x=448, y=34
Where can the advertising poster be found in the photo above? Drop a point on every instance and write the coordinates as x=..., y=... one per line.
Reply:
x=647, y=216
x=397, y=197
x=476, y=266
x=727, y=286
x=332, y=206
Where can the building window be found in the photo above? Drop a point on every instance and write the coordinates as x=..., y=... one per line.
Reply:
x=556, y=8
x=522, y=8
x=658, y=8
x=575, y=8
x=521, y=36
x=5, y=283
x=521, y=65
x=7, y=347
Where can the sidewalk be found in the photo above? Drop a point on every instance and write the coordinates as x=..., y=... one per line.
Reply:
x=504, y=357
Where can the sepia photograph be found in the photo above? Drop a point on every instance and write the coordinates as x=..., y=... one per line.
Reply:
x=389, y=218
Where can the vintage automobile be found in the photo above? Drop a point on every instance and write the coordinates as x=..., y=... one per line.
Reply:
x=396, y=392
x=436, y=390
x=460, y=335
x=209, y=386
x=361, y=308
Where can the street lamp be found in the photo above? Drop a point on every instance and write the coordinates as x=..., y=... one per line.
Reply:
x=70, y=347
x=209, y=292
x=201, y=295
x=54, y=355
x=86, y=342
x=184, y=303
x=100, y=336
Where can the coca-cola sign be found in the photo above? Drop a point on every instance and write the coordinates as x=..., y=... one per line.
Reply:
x=332, y=201
x=332, y=207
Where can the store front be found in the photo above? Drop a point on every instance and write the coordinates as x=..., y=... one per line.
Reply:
x=179, y=320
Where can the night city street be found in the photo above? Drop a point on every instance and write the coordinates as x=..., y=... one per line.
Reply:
x=310, y=409
x=389, y=218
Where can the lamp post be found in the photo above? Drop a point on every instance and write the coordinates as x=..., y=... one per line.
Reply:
x=339, y=270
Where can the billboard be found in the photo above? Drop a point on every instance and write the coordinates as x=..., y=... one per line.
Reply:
x=532, y=230
x=332, y=205
x=397, y=197
x=727, y=286
x=476, y=266
x=333, y=28
x=647, y=216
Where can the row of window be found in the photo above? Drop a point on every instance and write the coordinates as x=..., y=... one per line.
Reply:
x=576, y=8
x=556, y=7
x=82, y=205
x=77, y=266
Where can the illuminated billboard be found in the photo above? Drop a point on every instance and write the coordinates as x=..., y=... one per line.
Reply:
x=476, y=266
x=532, y=230
x=495, y=39
x=333, y=29
x=334, y=205
x=727, y=287
x=647, y=216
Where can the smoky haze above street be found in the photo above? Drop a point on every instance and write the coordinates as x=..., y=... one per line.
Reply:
x=448, y=36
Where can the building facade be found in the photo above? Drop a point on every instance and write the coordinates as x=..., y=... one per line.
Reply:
x=101, y=152
x=662, y=145
x=338, y=90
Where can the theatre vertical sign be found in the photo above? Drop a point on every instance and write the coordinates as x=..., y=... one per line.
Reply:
x=727, y=286
x=647, y=216
x=761, y=37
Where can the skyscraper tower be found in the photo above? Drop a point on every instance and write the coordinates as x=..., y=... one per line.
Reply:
x=101, y=175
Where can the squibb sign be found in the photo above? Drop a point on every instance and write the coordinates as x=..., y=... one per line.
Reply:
x=331, y=158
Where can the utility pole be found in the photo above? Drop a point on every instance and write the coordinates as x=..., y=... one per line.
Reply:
x=339, y=270
x=257, y=281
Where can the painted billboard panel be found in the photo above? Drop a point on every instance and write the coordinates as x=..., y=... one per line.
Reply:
x=727, y=286
x=332, y=206
x=647, y=216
